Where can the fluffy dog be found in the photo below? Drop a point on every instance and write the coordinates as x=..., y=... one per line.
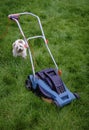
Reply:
x=19, y=48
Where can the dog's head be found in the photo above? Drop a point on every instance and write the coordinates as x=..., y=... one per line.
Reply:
x=19, y=45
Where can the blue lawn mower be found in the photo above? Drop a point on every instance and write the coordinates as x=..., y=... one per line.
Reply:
x=46, y=83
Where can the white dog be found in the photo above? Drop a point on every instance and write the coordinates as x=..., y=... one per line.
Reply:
x=19, y=48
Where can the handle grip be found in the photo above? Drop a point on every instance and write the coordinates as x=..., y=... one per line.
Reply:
x=15, y=16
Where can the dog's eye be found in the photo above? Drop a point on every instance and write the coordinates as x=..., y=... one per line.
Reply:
x=20, y=46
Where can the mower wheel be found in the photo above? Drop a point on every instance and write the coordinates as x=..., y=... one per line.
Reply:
x=28, y=84
x=76, y=95
x=55, y=103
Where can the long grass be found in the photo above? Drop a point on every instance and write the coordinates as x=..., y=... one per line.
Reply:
x=66, y=26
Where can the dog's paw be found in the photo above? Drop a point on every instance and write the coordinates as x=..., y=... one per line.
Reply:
x=24, y=56
x=14, y=53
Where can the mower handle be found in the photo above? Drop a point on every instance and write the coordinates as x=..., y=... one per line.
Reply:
x=15, y=18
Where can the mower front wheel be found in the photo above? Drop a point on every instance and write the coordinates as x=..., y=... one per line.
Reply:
x=76, y=95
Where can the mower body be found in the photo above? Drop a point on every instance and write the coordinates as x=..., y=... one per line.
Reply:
x=51, y=86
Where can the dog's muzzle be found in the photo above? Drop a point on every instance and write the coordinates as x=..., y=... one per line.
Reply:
x=19, y=50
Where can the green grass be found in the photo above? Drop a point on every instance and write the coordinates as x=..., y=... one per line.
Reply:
x=66, y=26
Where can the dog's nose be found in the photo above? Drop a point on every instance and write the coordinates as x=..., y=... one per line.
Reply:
x=20, y=50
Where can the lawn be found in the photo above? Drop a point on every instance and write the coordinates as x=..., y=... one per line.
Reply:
x=66, y=26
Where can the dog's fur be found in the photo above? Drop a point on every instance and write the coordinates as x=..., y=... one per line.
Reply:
x=19, y=48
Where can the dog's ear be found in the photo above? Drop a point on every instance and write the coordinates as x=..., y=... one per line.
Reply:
x=13, y=45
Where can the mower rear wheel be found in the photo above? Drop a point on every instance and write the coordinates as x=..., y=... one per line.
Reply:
x=28, y=84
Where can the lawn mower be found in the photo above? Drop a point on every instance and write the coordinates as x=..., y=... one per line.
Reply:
x=46, y=83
